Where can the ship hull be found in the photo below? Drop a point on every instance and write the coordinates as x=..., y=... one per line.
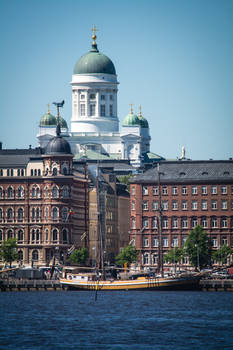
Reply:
x=182, y=283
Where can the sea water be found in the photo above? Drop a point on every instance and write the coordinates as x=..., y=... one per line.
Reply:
x=116, y=320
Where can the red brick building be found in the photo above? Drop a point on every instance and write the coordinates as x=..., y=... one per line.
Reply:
x=192, y=193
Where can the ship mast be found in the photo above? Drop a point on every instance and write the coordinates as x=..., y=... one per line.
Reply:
x=160, y=247
x=100, y=263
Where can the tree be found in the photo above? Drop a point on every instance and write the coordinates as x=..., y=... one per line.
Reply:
x=128, y=255
x=125, y=180
x=79, y=256
x=174, y=256
x=198, y=248
x=222, y=253
x=8, y=250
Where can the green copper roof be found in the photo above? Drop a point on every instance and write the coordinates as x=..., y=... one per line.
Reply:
x=94, y=62
x=48, y=119
x=63, y=123
x=143, y=122
x=131, y=120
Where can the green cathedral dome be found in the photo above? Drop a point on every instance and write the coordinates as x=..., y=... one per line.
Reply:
x=131, y=120
x=50, y=120
x=63, y=123
x=94, y=62
x=143, y=122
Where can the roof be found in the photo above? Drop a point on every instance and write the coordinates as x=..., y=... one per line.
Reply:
x=188, y=172
x=18, y=157
x=57, y=145
x=94, y=62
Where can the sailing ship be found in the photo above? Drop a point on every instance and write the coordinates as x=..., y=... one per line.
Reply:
x=97, y=281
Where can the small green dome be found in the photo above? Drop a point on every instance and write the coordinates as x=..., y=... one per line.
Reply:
x=131, y=120
x=143, y=122
x=94, y=62
x=63, y=123
x=48, y=120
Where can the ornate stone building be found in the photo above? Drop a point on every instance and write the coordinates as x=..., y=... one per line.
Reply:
x=192, y=193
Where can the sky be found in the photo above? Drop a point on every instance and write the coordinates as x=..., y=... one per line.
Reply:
x=172, y=57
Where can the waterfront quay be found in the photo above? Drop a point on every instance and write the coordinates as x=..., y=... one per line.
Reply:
x=17, y=285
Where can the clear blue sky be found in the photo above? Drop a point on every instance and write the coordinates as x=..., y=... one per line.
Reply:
x=174, y=57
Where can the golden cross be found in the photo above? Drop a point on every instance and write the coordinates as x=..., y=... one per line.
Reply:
x=131, y=108
x=140, y=111
x=48, y=108
x=94, y=30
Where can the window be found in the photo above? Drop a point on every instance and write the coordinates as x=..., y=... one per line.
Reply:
x=155, y=190
x=1, y=172
x=82, y=109
x=18, y=172
x=133, y=191
x=165, y=242
x=46, y=214
x=1, y=212
x=54, y=235
x=12, y=172
x=164, y=222
x=214, y=205
x=194, y=205
x=133, y=222
x=55, y=193
x=214, y=189
x=46, y=192
x=1, y=235
x=64, y=171
x=145, y=242
x=154, y=222
x=155, y=242
x=65, y=192
x=174, y=242
x=33, y=213
x=46, y=235
x=10, y=234
x=204, y=190
x=164, y=190
x=20, y=192
x=31, y=172
x=174, y=190
x=223, y=222
x=10, y=214
x=102, y=110
x=155, y=205
x=145, y=190
x=224, y=205
x=10, y=192
x=111, y=97
x=214, y=242
x=92, y=109
x=214, y=222
x=133, y=205
x=184, y=190
x=111, y=110
x=20, y=236
x=35, y=192
x=82, y=97
x=224, y=189
x=54, y=171
x=174, y=205
x=145, y=205
x=35, y=255
x=55, y=213
x=35, y=172
x=194, y=222
x=64, y=213
x=92, y=96
x=184, y=222
x=1, y=193
x=184, y=239
x=22, y=172
x=184, y=205
x=145, y=222
x=204, y=205
x=37, y=213
x=145, y=259
x=64, y=236
x=102, y=97
x=165, y=205
x=204, y=222
x=224, y=241
x=20, y=255
x=20, y=214
x=194, y=189
x=174, y=222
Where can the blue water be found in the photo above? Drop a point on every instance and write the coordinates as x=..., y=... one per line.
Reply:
x=117, y=320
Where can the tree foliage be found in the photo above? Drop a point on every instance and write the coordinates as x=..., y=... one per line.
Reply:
x=79, y=256
x=128, y=255
x=174, y=255
x=125, y=180
x=222, y=254
x=198, y=248
x=8, y=250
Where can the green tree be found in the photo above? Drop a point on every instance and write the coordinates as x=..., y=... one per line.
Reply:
x=174, y=256
x=124, y=179
x=8, y=250
x=128, y=255
x=198, y=248
x=79, y=256
x=222, y=254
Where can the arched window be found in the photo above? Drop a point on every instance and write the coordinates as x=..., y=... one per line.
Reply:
x=33, y=235
x=55, y=235
x=20, y=213
x=1, y=214
x=10, y=192
x=37, y=213
x=35, y=255
x=64, y=236
x=20, y=236
x=64, y=213
x=9, y=234
x=33, y=192
x=37, y=235
x=37, y=192
x=33, y=213
x=55, y=213
x=54, y=192
x=54, y=171
x=22, y=172
x=20, y=255
x=145, y=259
x=65, y=171
x=1, y=192
x=46, y=235
x=35, y=172
x=20, y=191
x=65, y=191
x=46, y=192
x=10, y=214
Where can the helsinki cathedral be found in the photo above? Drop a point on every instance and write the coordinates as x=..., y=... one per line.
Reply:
x=94, y=127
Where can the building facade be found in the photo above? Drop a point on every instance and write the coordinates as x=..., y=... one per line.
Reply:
x=192, y=193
